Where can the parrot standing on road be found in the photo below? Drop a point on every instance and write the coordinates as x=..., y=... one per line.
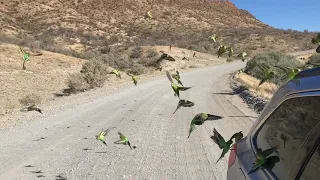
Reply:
x=199, y=119
x=183, y=103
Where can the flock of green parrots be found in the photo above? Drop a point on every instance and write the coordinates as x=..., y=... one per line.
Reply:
x=200, y=118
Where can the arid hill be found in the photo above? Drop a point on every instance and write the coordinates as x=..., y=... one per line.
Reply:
x=99, y=26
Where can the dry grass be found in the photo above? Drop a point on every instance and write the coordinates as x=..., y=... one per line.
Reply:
x=45, y=75
x=266, y=90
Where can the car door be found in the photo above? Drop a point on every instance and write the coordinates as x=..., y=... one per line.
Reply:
x=284, y=136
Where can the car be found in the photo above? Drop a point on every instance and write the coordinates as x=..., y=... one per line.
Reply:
x=287, y=133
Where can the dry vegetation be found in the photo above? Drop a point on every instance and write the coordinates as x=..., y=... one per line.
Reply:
x=115, y=34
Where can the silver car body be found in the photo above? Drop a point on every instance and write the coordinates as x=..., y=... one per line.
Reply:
x=306, y=83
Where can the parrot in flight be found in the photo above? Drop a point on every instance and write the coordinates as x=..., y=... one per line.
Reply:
x=200, y=118
x=123, y=140
x=222, y=49
x=116, y=72
x=183, y=103
x=102, y=135
x=268, y=73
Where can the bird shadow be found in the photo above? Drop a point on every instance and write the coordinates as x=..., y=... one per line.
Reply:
x=86, y=149
x=226, y=93
x=40, y=176
x=65, y=92
x=37, y=172
x=101, y=152
x=245, y=116
x=27, y=166
x=40, y=139
x=60, y=178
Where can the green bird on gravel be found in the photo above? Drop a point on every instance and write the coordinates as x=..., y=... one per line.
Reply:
x=102, y=135
x=123, y=140
x=134, y=79
x=183, y=103
x=200, y=118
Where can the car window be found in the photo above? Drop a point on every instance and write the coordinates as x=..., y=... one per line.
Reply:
x=285, y=130
x=313, y=167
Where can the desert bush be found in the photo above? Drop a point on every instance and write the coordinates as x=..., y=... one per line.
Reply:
x=93, y=74
x=77, y=83
x=315, y=59
x=136, y=69
x=30, y=99
x=151, y=53
x=136, y=52
x=271, y=59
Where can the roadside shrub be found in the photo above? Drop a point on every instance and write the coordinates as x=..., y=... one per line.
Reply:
x=151, y=53
x=77, y=83
x=271, y=59
x=136, y=52
x=136, y=69
x=30, y=99
x=315, y=59
x=93, y=74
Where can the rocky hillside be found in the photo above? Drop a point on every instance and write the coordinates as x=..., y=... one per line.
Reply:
x=99, y=26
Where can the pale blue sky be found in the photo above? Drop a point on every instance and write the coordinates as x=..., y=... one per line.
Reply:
x=285, y=14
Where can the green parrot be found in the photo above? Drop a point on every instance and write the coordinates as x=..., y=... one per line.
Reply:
x=219, y=140
x=237, y=136
x=116, y=72
x=199, y=119
x=123, y=140
x=26, y=57
x=149, y=15
x=32, y=108
x=284, y=138
x=242, y=56
x=268, y=73
x=222, y=50
x=230, y=51
x=290, y=72
x=102, y=135
x=213, y=38
x=316, y=40
x=183, y=103
x=175, y=87
x=261, y=158
x=134, y=79
x=177, y=77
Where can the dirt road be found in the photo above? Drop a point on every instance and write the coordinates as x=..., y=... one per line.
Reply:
x=144, y=113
